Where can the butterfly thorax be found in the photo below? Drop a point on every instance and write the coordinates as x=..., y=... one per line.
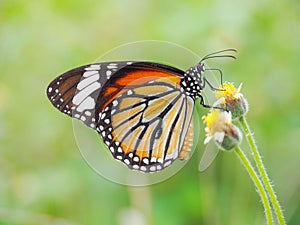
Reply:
x=192, y=82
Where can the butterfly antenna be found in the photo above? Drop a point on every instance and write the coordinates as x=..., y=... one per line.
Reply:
x=216, y=54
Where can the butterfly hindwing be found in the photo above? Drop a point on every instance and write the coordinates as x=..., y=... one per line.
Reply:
x=188, y=143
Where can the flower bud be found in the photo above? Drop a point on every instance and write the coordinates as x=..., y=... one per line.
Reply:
x=232, y=100
x=231, y=138
x=220, y=129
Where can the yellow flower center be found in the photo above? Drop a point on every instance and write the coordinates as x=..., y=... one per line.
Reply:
x=228, y=91
x=216, y=121
x=211, y=118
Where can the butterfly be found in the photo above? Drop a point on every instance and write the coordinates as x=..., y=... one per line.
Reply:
x=142, y=110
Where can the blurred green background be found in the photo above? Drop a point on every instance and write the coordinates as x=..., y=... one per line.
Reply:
x=44, y=179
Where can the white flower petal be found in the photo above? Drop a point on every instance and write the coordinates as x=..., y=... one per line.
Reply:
x=219, y=101
x=207, y=139
x=238, y=95
x=240, y=87
x=219, y=136
x=225, y=117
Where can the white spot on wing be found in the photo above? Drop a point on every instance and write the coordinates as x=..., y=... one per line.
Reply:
x=90, y=73
x=81, y=95
x=115, y=103
x=88, y=103
x=103, y=116
x=112, y=149
x=153, y=159
x=152, y=168
x=87, y=81
x=108, y=73
x=93, y=67
x=136, y=167
x=110, y=66
x=167, y=163
x=88, y=113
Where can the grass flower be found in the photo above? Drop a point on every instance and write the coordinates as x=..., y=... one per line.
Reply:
x=220, y=129
x=232, y=100
x=227, y=136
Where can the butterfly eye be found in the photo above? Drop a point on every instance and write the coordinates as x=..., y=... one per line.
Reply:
x=200, y=68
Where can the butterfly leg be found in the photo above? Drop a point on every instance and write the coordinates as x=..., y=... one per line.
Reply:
x=209, y=106
x=203, y=103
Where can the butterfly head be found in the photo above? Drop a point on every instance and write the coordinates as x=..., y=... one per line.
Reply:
x=200, y=68
x=193, y=81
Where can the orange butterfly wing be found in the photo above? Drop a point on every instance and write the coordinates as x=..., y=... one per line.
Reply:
x=145, y=117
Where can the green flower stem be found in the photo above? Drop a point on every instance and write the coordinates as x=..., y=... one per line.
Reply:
x=262, y=171
x=257, y=182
